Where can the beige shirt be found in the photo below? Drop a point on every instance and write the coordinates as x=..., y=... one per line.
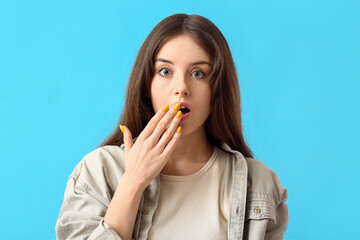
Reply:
x=257, y=208
x=194, y=206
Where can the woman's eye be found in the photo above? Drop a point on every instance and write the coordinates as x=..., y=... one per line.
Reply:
x=164, y=72
x=198, y=74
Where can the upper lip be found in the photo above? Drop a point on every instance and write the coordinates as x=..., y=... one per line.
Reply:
x=185, y=104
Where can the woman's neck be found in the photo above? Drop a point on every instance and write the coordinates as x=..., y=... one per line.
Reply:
x=191, y=153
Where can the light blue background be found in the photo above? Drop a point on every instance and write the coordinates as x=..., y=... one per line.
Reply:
x=64, y=66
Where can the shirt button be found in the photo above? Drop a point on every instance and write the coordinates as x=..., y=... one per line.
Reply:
x=257, y=210
x=145, y=211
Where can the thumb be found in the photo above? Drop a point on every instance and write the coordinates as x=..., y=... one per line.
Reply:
x=128, y=140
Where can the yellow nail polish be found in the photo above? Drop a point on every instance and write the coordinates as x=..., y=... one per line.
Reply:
x=177, y=106
x=178, y=130
x=166, y=108
x=122, y=128
x=179, y=113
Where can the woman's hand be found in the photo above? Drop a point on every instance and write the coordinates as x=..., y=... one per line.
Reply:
x=145, y=159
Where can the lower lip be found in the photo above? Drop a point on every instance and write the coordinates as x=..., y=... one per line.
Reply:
x=184, y=116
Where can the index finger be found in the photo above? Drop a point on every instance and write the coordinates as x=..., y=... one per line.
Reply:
x=151, y=125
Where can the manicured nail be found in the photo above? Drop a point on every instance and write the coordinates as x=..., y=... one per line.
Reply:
x=122, y=128
x=177, y=106
x=178, y=130
x=179, y=113
x=166, y=108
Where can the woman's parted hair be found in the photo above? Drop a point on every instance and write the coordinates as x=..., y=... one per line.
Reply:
x=224, y=123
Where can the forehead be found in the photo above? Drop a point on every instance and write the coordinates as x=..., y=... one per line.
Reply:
x=182, y=48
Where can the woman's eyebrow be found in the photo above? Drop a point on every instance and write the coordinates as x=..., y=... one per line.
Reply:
x=194, y=63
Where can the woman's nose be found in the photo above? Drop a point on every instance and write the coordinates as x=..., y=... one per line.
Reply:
x=181, y=86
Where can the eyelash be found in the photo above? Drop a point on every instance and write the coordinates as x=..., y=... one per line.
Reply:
x=203, y=74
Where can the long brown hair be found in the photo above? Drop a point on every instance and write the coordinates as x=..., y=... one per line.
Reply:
x=224, y=123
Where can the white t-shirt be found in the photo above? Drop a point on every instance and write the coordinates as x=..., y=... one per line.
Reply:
x=194, y=206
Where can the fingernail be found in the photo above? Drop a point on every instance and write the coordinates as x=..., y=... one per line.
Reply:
x=179, y=113
x=166, y=108
x=177, y=106
x=122, y=128
x=178, y=130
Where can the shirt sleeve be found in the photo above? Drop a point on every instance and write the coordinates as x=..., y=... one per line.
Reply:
x=82, y=214
x=276, y=231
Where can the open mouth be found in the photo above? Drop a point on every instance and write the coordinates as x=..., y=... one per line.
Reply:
x=184, y=109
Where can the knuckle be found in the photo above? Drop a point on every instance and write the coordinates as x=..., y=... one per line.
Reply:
x=157, y=148
x=153, y=125
x=150, y=143
x=168, y=134
x=162, y=125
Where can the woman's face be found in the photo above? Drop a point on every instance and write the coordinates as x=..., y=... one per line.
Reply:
x=182, y=70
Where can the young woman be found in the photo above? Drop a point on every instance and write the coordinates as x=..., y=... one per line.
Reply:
x=178, y=166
